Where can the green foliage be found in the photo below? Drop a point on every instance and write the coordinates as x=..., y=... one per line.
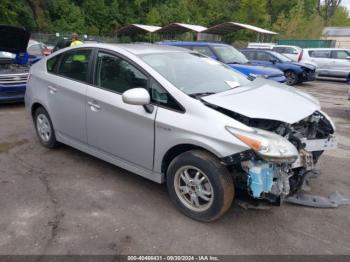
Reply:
x=298, y=23
x=16, y=13
x=341, y=17
x=291, y=18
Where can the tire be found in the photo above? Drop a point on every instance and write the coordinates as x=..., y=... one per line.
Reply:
x=292, y=78
x=44, y=128
x=183, y=180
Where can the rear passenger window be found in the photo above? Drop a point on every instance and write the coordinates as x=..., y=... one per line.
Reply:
x=74, y=64
x=52, y=63
x=116, y=74
x=320, y=53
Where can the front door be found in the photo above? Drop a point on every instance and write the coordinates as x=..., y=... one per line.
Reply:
x=340, y=65
x=121, y=130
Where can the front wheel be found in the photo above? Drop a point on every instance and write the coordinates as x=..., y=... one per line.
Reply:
x=292, y=78
x=199, y=185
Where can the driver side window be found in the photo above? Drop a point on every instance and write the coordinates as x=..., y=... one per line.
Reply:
x=115, y=74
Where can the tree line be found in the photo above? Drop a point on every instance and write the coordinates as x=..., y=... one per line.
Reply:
x=303, y=19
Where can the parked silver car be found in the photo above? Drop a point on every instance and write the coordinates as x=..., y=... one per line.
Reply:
x=176, y=116
x=331, y=62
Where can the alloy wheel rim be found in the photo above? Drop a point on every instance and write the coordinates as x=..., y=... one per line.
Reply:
x=193, y=188
x=44, y=128
x=290, y=77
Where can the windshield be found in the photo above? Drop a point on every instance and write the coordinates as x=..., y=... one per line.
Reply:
x=230, y=55
x=194, y=73
x=281, y=57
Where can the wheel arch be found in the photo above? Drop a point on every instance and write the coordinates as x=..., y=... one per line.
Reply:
x=177, y=150
x=35, y=106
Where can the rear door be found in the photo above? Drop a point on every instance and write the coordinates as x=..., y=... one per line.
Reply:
x=121, y=130
x=66, y=90
x=340, y=65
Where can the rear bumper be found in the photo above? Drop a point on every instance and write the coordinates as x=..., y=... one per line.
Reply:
x=280, y=79
x=12, y=93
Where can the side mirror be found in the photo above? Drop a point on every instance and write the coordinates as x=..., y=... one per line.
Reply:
x=347, y=58
x=295, y=52
x=273, y=61
x=136, y=96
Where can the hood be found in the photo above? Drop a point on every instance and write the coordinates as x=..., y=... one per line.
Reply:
x=257, y=70
x=13, y=39
x=309, y=66
x=266, y=99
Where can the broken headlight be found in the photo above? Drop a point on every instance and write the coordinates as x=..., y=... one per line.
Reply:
x=269, y=146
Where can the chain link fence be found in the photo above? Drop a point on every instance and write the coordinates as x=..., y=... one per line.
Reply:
x=52, y=38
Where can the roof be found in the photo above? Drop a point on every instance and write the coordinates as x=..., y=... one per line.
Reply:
x=137, y=29
x=229, y=27
x=336, y=31
x=138, y=49
x=181, y=28
x=190, y=43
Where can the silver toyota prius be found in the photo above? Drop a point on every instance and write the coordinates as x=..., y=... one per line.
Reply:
x=176, y=116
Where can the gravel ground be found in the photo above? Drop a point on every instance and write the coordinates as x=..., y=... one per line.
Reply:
x=66, y=202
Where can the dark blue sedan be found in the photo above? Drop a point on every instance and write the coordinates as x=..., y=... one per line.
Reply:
x=295, y=72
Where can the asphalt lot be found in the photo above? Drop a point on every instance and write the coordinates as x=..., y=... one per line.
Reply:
x=66, y=202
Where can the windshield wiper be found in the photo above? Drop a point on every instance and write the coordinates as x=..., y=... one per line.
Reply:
x=195, y=95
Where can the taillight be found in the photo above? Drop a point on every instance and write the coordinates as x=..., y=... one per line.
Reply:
x=300, y=55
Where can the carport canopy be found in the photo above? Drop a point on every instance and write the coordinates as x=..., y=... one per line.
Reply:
x=134, y=29
x=229, y=27
x=181, y=28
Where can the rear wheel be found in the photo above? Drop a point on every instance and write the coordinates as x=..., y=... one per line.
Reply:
x=44, y=128
x=199, y=185
x=292, y=78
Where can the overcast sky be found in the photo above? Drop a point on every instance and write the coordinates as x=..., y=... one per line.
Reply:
x=346, y=3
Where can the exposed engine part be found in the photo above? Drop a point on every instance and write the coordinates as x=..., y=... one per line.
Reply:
x=281, y=184
x=266, y=178
x=305, y=160
x=8, y=68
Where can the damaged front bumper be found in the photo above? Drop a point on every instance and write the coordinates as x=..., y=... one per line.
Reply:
x=274, y=182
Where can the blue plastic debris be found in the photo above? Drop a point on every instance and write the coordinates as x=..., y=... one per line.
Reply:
x=260, y=177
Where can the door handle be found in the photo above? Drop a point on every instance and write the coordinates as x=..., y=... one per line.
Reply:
x=52, y=90
x=93, y=106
